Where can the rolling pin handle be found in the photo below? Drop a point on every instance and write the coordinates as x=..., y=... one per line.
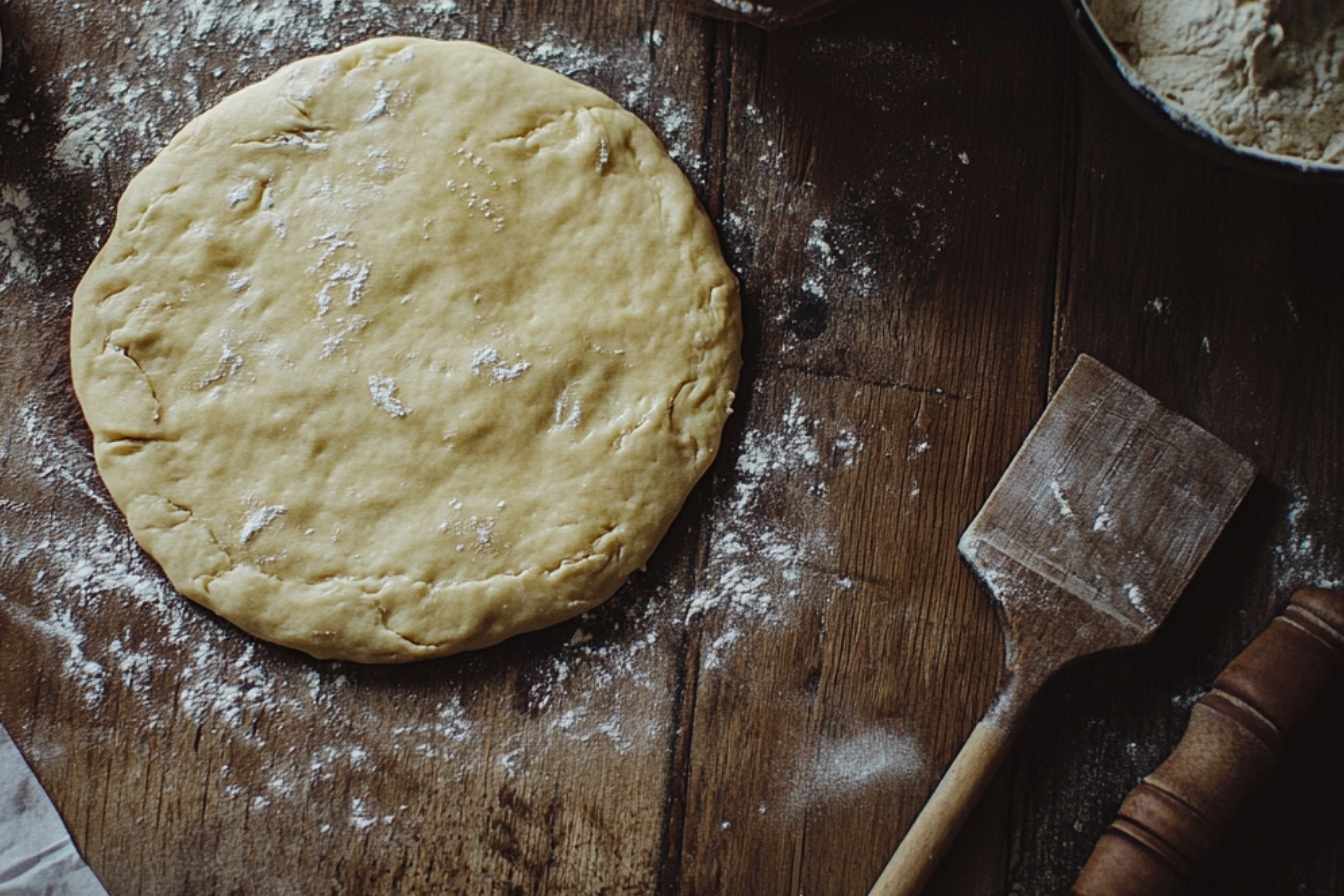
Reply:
x=1174, y=817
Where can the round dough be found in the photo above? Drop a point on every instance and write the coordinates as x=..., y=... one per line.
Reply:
x=405, y=350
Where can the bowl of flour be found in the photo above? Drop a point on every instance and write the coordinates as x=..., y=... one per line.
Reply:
x=1260, y=82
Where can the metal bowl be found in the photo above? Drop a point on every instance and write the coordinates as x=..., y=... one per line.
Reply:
x=1175, y=122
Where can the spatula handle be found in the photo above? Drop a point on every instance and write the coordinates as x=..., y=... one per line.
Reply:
x=1172, y=819
x=945, y=812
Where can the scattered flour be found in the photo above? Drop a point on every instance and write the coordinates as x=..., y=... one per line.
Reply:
x=18, y=224
x=230, y=362
x=87, y=140
x=353, y=276
x=501, y=372
x=755, y=565
x=511, y=762
x=1061, y=500
x=239, y=194
x=845, y=766
x=59, y=460
x=259, y=519
x=383, y=391
x=568, y=412
x=62, y=628
x=362, y=818
x=841, y=259
x=382, y=94
x=625, y=73
x=1304, y=556
x=344, y=327
x=845, y=448
x=1134, y=595
x=1184, y=700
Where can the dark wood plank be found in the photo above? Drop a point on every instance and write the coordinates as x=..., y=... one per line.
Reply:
x=912, y=306
x=1219, y=293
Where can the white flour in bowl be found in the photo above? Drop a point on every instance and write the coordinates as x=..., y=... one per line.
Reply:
x=1265, y=74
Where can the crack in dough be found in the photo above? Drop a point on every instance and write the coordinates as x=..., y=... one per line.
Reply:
x=125, y=352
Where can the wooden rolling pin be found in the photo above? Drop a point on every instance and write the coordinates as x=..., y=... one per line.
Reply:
x=1171, y=821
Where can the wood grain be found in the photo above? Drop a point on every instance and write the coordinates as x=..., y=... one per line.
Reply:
x=957, y=294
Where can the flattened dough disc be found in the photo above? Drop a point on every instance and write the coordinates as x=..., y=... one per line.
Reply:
x=405, y=350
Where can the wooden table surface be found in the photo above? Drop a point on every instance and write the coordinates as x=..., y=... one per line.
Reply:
x=934, y=207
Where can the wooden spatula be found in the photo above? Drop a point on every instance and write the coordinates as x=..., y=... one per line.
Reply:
x=1085, y=543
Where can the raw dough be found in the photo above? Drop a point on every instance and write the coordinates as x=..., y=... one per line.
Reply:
x=1266, y=74
x=405, y=350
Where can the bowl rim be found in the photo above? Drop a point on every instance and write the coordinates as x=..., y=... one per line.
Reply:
x=1172, y=119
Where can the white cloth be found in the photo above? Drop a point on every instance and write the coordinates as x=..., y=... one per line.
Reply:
x=37, y=856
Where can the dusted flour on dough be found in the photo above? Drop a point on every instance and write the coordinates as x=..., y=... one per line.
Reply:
x=381, y=364
x=1266, y=75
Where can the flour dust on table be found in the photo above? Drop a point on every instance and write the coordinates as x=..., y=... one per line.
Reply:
x=17, y=217
x=1304, y=556
x=844, y=766
x=754, y=567
x=175, y=661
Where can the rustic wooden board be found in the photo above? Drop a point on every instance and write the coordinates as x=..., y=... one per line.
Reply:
x=934, y=208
